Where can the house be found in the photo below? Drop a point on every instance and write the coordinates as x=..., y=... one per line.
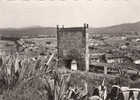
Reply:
x=96, y=42
x=98, y=64
x=137, y=40
x=133, y=69
x=137, y=61
x=123, y=47
x=94, y=58
x=7, y=47
x=104, y=68
x=118, y=59
x=124, y=38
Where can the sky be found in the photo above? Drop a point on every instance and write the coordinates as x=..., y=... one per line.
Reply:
x=96, y=13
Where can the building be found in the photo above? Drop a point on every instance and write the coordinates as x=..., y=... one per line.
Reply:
x=72, y=45
x=7, y=47
x=118, y=59
x=98, y=57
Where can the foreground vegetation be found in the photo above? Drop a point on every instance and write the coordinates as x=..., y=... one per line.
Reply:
x=23, y=78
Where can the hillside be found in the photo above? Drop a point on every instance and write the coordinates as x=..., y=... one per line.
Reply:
x=51, y=31
x=127, y=27
x=29, y=31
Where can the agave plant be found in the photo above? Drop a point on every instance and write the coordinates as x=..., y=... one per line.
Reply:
x=35, y=80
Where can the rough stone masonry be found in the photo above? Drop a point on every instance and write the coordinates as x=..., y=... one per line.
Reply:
x=71, y=44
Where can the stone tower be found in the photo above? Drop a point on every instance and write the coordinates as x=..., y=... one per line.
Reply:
x=72, y=45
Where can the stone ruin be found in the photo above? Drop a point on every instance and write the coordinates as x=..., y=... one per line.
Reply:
x=72, y=46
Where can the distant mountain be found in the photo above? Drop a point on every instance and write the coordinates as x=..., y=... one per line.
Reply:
x=127, y=27
x=51, y=31
x=29, y=31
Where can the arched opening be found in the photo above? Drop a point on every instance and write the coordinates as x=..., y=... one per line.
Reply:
x=74, y=58
x=73, y=65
